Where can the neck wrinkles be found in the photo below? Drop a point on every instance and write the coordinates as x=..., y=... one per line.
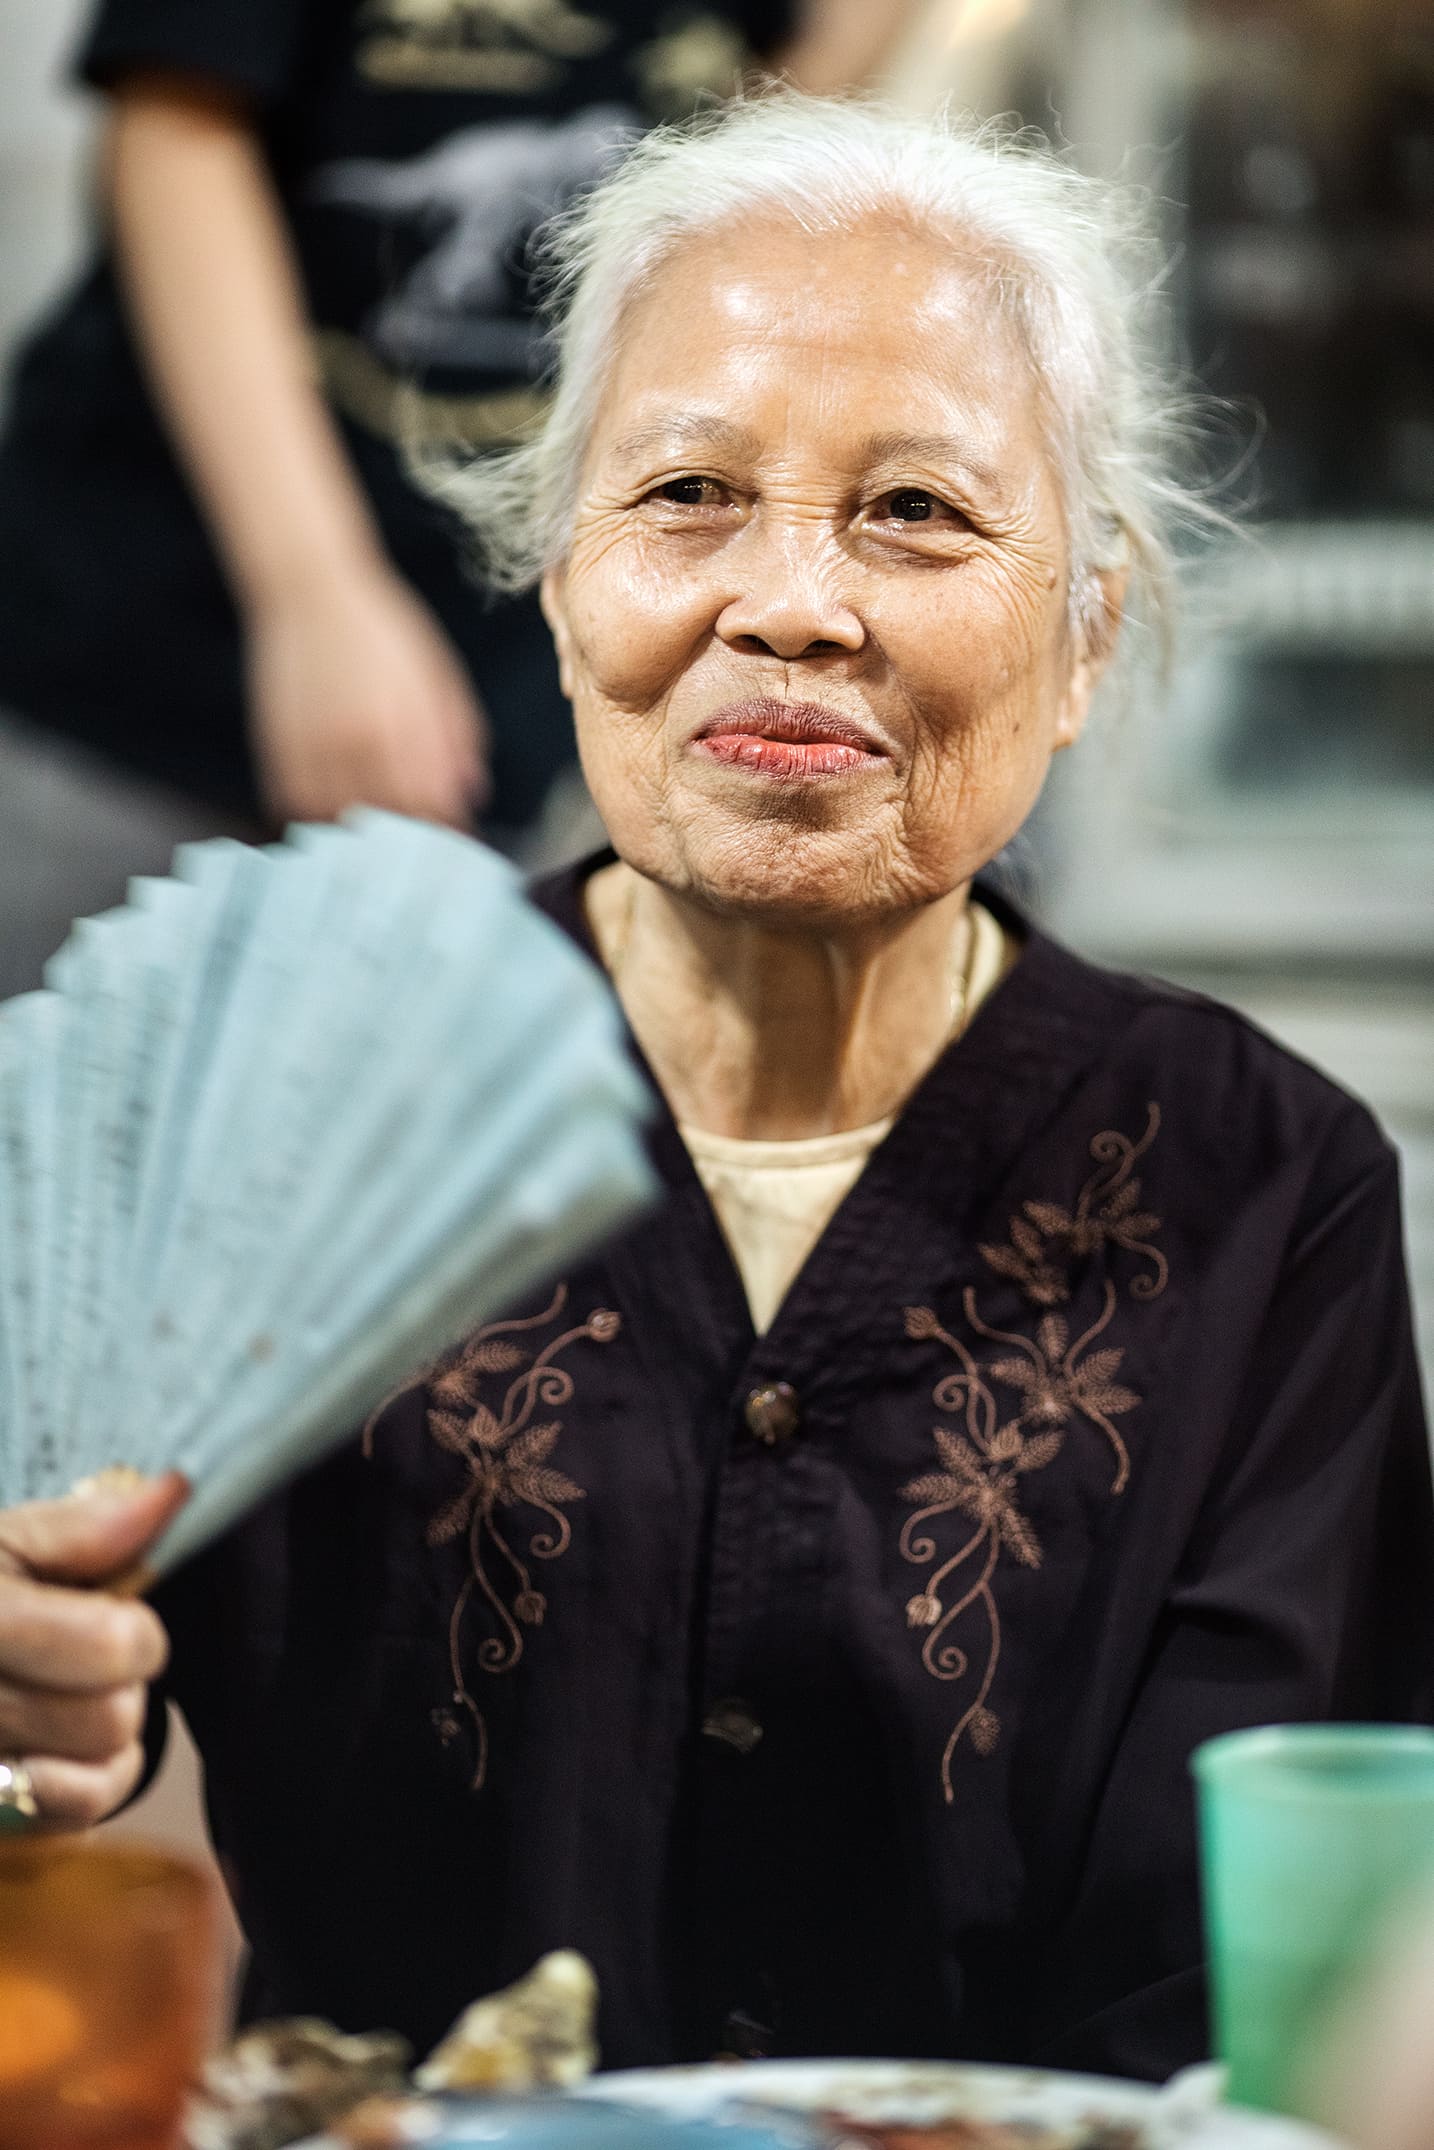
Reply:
x=765, y=1033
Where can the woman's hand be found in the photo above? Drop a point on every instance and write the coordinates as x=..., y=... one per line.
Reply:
x=357, y=698
x=74, y=1663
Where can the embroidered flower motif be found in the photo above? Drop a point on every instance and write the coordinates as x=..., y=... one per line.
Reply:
x=1041, y=1280
x=508, y=1467
x=1056, y=1380
x=972, y=1487
x=1058, y=1383
x=500, y=1479
x=1045, y=1238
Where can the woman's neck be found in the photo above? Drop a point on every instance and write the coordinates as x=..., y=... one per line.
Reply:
x=766, y=1033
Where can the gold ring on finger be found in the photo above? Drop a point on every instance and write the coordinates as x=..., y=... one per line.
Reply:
x=18, y=1805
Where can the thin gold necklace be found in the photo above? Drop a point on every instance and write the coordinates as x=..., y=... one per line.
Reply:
x=965, y=974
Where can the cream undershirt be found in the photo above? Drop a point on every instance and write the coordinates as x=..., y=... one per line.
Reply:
x=775, y=1199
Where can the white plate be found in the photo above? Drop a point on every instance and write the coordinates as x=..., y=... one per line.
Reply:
x=1184, y=2114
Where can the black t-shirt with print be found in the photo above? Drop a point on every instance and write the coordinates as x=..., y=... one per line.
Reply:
x=416, y=145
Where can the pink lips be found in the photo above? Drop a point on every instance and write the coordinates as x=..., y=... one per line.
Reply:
x=786, y=739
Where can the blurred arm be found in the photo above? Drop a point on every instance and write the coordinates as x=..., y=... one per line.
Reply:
x=842, y=44
x=355, y=691
x=216, y=302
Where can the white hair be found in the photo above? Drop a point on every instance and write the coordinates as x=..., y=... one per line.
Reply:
x=1070, y=259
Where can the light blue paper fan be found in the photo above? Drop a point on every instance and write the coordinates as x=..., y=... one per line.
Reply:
x=276, y=1134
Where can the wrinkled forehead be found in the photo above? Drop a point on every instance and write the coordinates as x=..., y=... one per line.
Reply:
x=870, y=331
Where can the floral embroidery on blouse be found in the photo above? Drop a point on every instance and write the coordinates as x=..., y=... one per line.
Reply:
x=509, y=1467
x=1045, y=1238
x=1056, y=1385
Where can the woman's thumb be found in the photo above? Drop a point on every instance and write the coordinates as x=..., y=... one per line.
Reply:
x=91, y=1535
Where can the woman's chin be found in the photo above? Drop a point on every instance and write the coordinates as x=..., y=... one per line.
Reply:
x=786, y=874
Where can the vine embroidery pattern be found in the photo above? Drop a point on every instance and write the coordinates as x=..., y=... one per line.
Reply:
x=1057, y=1384
x=509, y=1467
x=1046, y=1239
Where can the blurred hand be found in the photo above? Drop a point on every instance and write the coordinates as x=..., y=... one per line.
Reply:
x=1371, y=2076
x=74, y=1663
x=357, y=697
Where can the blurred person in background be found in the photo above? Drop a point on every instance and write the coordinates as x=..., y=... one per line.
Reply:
x=216, y=572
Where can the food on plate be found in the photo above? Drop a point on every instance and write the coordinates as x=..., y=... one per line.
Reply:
x=970, y=2134
x=551, y=2121
x=447, y=2123
x=388, y=2123
x=535, y=2035
x=281, y=2081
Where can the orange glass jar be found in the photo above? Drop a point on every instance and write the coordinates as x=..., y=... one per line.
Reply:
x=110, y=1990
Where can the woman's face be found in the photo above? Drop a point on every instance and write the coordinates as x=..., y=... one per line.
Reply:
x=814, y=619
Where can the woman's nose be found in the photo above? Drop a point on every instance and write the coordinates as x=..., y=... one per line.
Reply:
x=789, y=604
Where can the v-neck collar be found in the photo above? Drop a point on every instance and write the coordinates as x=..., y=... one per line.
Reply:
x=949, y=1149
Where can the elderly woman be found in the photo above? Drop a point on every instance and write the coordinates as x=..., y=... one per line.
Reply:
x=809, y=1608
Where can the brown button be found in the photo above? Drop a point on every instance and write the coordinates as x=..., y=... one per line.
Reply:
x=733, y=1723
x=772, y=1413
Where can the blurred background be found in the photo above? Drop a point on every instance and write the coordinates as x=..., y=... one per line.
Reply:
x=1266, y=833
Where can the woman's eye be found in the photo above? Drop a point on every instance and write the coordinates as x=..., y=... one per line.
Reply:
x=692, y=492
x=913, y=504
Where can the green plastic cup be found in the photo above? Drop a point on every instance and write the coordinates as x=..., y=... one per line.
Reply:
x=1312, y=1836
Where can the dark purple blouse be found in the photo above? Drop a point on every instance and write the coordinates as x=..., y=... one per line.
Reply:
x=834, y=1690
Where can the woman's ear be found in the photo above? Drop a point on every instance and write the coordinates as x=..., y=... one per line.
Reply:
x=551, y=595
x=1101, y=613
